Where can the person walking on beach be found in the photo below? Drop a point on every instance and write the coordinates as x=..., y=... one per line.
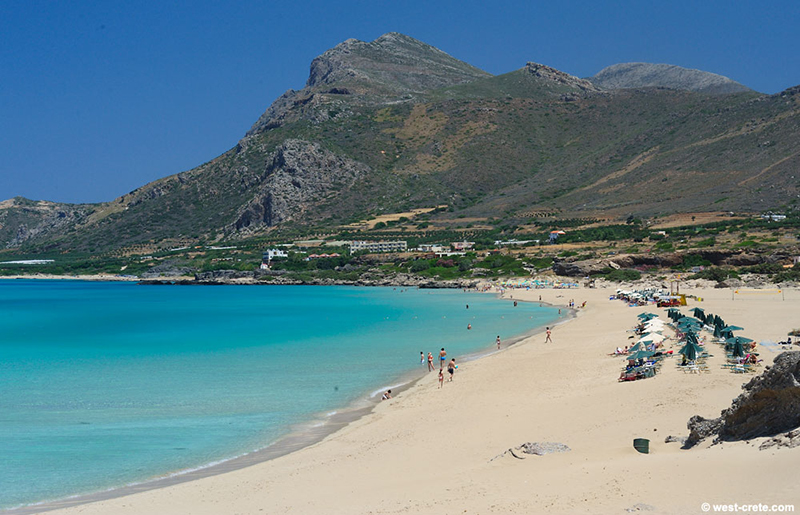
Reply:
x=498, y=342
x=430, y=362
x=548, y=339
x=441, y=378
x=421, y=358
x=451, y=368
x=442, y=358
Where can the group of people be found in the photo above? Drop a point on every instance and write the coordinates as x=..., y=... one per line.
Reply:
x=451, y=366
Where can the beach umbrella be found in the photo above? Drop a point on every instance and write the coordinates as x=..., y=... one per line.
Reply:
x=641, y=354
x=699, y=313
x=636, y=347
x=717, y=331
x=738, y=339
x=709, y=320
x=691, y=351
x=738, y=350
x=647, y=316
x=689, y=319
x=726, y=333
x=652, y=337
x=733, y=328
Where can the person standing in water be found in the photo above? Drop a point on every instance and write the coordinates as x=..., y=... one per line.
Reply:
x=498, y=342
x=442, y=358
x=421, y=358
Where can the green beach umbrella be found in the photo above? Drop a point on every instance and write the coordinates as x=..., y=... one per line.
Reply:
x=709, y=319
x=699, y=313
x=738, y=339
x=717, y=331
x=738, y=350
x=691, y=351
x=641, y=354
x=733, y=328
x=635, y=348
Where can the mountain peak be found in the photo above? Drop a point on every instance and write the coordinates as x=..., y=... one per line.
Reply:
x=642, y=75
x=393, y=62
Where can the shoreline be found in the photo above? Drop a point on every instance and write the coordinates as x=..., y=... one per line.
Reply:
x=393, y=461
x=300, y=436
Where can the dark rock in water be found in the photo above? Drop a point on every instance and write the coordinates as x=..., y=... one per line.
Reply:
x=221, y=276
x=769, y=405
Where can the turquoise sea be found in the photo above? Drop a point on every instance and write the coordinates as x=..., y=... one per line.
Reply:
x=107, y=384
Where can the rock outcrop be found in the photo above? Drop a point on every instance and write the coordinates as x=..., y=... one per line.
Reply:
x=643, y=75
x=299, y=175
x=769, y=405
x=560, y=78
x=23, y=220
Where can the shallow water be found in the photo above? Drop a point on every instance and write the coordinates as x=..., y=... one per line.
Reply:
x=105, y=384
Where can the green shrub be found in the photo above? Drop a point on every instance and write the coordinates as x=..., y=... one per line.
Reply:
x=622, y=275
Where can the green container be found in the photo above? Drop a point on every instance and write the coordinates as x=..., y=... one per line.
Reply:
x=642, y=445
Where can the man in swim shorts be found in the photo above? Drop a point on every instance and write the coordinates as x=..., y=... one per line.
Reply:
x=451, y=368
x=442, y=358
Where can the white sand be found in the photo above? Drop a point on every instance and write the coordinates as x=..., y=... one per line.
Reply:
x=429, y=450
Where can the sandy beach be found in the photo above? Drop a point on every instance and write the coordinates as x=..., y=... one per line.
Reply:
x=431, y=450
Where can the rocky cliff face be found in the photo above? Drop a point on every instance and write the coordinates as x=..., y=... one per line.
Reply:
x=299, y=175
x=769, y=405
x=23, y=220
x=643, y=75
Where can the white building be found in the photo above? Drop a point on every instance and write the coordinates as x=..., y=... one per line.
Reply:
x=271, y=254
x=379, y=246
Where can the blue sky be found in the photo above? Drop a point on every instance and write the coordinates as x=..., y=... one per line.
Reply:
x=99, y=98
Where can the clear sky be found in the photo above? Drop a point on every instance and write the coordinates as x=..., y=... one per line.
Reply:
x=98, y=98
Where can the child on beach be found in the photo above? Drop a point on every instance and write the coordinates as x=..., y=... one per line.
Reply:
x=548, y=339
x=441, y=378
x=386, y=395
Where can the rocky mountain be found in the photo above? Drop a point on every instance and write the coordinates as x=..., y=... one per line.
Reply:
x=394, y=124
x=648, y=75
x=393, y=67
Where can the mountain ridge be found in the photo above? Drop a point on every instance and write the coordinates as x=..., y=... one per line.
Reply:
x=639, y=75
x=355, y=142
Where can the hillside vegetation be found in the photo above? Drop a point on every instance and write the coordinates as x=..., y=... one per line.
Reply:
x=396, y=125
